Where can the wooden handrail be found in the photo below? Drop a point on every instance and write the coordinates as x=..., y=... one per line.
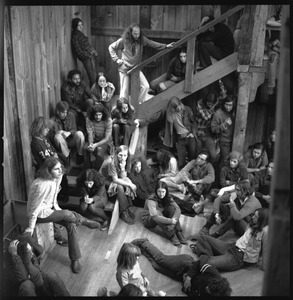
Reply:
x=186, y=38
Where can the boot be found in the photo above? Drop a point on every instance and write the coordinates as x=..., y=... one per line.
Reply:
x=181, y=237
x=75, y=266
x=126, y=218
x=174, y=240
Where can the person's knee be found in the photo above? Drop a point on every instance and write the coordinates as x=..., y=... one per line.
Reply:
x=89, y=102
x=58, y=138
x=79, y=136
x=116, y=127
x=67, y=213
x=27, y=288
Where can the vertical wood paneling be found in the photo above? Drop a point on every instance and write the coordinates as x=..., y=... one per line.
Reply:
x=169, y=17
x=157, y=13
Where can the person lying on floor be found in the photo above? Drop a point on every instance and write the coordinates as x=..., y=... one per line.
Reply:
x=198, y=279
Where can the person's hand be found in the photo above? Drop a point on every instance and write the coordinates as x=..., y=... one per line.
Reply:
x=146, y=282
x=170, y=45
x=218, y=219
x=133, y=187
x=228, y=182
x=123, y=121
x=174, y=221
x=84, y=114
x=173, y=78
x=29, y=230
x=91, y=147
x=190, y=135
x=228, y=121
x=136, y=122
x=204, y=19
x=186, y=283
x=267, y=198
x=13, y=247
x=233, y=196
x=55, y=155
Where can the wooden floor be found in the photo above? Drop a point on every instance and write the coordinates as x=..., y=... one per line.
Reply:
x=99, y=253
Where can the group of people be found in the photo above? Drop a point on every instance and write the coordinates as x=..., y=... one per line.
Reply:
x=84, y=119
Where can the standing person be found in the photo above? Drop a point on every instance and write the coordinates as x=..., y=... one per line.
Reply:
x=65, y=132
x=42, y=207
x=99, y=130
x=180, y=118
x=128, y=269
x=175, y=73
x=270, y=144
x=222, y=125
x=123, y=121
x=205, y=110
x=78, y=96
x=121, y=184
x=139, y=177
x=233, y=210
x=83, y=50
x=198, y=279
x=25, y=256
x=255, y=159
x=131, y=44
x=160, y=209
x=262, y=184
x=103, y=90
x=91, y=186
x=246, y=250
x=217, y=42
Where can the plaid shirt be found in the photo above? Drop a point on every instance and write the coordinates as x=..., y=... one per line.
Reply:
x=81, y=46
x=203, y=118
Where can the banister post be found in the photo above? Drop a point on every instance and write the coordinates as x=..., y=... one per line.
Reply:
x=189, y=65
x=134, y=91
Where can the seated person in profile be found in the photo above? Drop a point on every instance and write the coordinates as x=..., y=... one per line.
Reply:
x=28, y=277
x=103, y=90
x=255, y=159
x=123, y=121
x=66, y=135
x=175, y=73
x=160, y=209
x=138, y=177
x=233, y=210
x=229, y=176
x=91, y=186
x=262, y=184
x=198, y=279
x=168, y=165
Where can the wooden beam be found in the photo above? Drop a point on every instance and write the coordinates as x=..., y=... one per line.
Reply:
x=277, y=275
x=134, y=91
x=187, y=37
x=189, y=65
x=200, y=80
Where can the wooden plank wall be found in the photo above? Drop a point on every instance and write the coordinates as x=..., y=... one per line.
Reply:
x=37, y=59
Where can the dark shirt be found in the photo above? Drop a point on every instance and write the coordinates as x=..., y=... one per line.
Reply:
x=144, y=188
x=233, y=175
x=75, y=96
x=176, y=68
x=41, y=149
x=117, y=115
x=261, y=183
x=69, y=124
x=81, y=46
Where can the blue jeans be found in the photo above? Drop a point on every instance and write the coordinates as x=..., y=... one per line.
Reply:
x=89, y=65
x=170, y=265
x=70, y=220
x=126, y=130
x=186, y=146
x=208, y=142
x=206, y=50
x=222, y=255
x=225, y=148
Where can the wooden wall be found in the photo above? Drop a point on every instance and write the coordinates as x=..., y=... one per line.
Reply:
x=37, y=58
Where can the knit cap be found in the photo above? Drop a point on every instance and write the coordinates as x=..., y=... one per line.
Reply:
x=235, y=155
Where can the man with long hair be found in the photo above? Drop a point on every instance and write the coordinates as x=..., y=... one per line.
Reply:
x=131, y=45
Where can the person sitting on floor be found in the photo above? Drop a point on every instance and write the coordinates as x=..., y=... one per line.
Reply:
x=103, y=91
x=65, y=132
x=123, y=121
x=121, y=184
x=42, y=207
x=234, y=209
x=255, y=159
x=128, y=290
x=25, y=256
x=262, y=184
x=168, y=165
x=198, y=279
x=175, y=73
x=139, y=177
x=247, y=249
x=128, y=269
x=91, y=186
x=160, y=209
x=100, y=142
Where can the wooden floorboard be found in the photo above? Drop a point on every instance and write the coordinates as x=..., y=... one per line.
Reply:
x=99, y=253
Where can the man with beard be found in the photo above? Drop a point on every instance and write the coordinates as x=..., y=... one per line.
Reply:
x=78, y=96
x=131, y=45
x=65, y=132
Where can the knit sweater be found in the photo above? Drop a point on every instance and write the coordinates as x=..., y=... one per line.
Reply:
x=223, y=130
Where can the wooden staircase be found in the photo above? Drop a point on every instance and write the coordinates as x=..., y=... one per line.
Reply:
x=201, y=79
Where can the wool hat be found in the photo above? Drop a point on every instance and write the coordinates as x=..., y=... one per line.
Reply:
x=235, y=155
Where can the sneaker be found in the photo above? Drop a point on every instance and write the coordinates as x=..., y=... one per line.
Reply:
x=62, y=242
x=126, y=218
x=104, y=225
x=102, y=292
x=174, y=240
x=181, y=237
x=75, y=266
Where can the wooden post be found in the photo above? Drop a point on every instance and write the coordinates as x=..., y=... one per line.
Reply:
x=134, y=90
x=189, y=65
x=250, y=54
x=277, y=274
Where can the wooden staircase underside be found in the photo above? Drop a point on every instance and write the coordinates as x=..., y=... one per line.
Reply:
x=155, y=105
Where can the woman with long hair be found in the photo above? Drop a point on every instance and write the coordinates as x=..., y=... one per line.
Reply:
x=42, y=207
x=161, y=209
x=103, y=90
x=99, y=129
x=121, y=184
x=246, y=250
